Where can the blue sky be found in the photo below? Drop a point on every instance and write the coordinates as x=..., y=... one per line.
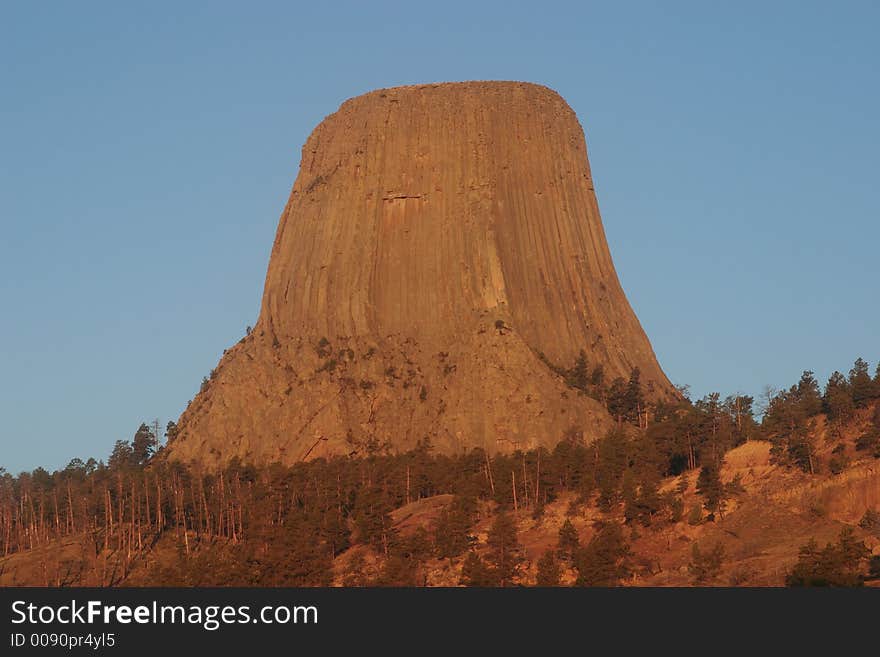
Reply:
x=146, y=153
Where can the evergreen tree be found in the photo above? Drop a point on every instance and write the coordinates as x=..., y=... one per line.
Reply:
x=549, y=571
x=597, y=383
x=710, y=487
x=675, y=504
x=860, y=383
x=612, y=459
x=741, y=411
x=603, y=562
x=628, y=493
x=293, y=555
x=787, y=425
x=839, y=564
x=808, y=395
x=171, y=431
x=143, y=445
x=618, y=400
x=334, y=530
x=398, y=570
x=401, y=568
x=648, y=502
x=625, y=399
x=452, y=527
x=634, y=404
x=503, y=548
x=121, y=456
x=474, y=571
x=870, y=440
x=579, y=376
x=355, y=573
x=569, y=540
x=373, y=520
x=838, y=398
x=870, y=522
x=874, y=567
x=800, y=450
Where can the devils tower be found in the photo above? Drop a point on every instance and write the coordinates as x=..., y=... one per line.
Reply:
x=442, y=244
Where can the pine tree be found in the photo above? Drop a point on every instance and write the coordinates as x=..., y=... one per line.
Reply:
x=503, y=548
x=373, y=520
x=121, y=456
x=597, y=383
x=603, y=562
x=617, y=400
x=474, y=572
x=579, y=376
x=808, y=396
x=860, y=383
x=143, y=445
x=675, y=504
x=870, y=440
x=549, y=571
x=569, y=540
x=294, y=556
x=740, y=410
x=354, y=574
x=452, y=528
x=612, y=458
x=634, y=399
x=171, y=431
x=839, y=564
x=800, y=450
x=401, y=568
x=648, y=502
x=710, y=487
x=838, y=398
x=628, y=493
x=404, y=565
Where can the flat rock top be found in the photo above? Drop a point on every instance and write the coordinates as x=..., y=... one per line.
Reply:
x=483, y=91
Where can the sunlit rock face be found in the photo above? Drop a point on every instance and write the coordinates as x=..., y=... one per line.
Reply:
x=442, y=243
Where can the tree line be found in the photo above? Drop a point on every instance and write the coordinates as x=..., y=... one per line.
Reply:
x=788, y=420
x=284, y=525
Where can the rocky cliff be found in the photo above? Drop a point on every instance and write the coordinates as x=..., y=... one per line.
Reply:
x=441, y=244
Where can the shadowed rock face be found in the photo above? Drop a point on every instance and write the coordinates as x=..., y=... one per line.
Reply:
x=436, y=240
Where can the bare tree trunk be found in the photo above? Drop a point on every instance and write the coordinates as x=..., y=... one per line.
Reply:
x=108, y=522
x=71, y=519
x=222, y=507
x=538, y=480
x=489, y=472
x=513, y=481
x=159, y=518
x=57, y=515
x=147, y=501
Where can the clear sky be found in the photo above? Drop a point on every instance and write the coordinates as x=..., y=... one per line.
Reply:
x=146, y=154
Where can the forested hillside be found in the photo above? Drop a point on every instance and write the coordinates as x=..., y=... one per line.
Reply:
x=588, y=514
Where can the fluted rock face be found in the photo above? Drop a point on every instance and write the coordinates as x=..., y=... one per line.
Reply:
x=437, y=239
